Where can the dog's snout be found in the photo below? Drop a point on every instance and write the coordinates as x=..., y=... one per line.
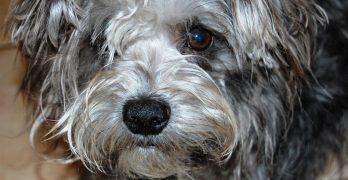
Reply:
x=146, y=116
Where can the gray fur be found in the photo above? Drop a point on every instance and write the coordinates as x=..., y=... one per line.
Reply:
x=86, y=58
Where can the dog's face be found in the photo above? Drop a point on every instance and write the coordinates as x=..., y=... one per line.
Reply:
x=157, y=88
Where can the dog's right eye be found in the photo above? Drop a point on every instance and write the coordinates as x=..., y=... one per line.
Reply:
x=199, y=39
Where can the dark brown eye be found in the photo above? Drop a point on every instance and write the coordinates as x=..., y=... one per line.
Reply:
x=199, y=39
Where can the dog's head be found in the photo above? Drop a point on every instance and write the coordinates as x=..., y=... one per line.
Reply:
x=156, y=88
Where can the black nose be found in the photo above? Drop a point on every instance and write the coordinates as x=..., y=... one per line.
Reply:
x=146, y=116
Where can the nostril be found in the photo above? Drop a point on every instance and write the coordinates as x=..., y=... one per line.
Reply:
x=146, y=116
x=156, y=120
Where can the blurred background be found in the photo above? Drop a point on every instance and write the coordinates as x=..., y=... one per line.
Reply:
x=15, y=152
x=11, y=73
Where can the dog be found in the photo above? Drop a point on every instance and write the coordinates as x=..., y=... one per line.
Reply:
x=187, y=89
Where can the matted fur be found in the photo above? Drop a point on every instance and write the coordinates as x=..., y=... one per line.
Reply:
x=267, y=100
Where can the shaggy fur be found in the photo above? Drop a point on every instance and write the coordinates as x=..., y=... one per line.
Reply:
x=266, y=100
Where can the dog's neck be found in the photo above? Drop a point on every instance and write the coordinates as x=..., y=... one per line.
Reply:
x=17, y=158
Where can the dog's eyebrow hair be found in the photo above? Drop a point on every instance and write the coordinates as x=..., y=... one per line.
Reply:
x=216, y=27
x=97, y=39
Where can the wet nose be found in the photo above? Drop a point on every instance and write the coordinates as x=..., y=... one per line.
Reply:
x=146, y=116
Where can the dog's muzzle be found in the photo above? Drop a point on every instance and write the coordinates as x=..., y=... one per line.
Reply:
x=146, y=116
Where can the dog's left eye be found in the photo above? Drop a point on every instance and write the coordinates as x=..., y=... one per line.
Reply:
x=199, y=39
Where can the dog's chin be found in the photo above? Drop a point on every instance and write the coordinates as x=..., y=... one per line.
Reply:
x=148, y=161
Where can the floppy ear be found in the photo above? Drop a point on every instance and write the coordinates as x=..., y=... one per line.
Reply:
x=42, y=29
x=277, y=32
x=41, y=26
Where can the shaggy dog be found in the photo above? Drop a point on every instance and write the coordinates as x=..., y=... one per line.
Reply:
x=187, y=89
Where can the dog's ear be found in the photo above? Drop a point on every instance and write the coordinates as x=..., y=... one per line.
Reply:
x=41, y=29
x=276, y=32
x=41, y=26
x=298, y=31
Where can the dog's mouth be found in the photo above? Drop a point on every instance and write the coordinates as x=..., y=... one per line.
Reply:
x=197, y=157
x=148, y=144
